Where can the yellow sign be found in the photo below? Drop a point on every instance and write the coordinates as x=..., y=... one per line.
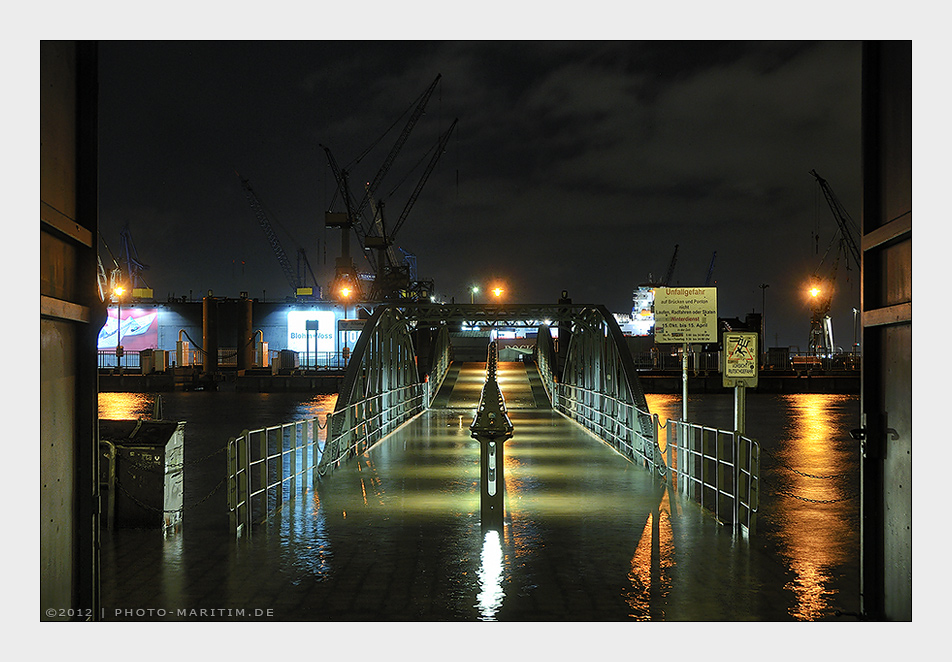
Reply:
x=685, y=314
x=740, y=359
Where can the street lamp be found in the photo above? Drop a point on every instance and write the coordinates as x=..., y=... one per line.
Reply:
x=473, y=291
x=118, y=291
x=497, y=291
x=345, y=293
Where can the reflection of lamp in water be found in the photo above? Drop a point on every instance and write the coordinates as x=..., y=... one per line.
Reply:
x=490, y=576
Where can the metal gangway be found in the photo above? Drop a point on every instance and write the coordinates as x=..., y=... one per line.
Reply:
x=402, y=358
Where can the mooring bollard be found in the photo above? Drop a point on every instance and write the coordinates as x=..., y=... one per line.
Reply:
x=491, y=428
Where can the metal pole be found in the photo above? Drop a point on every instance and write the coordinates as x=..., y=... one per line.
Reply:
x=740, y=408
x=684, y=383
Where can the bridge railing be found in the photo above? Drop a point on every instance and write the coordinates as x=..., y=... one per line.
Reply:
x=271, y=466
x=381, y=389
x=365, y=422
x=442, y=357
x=718, y=469
x=614, y=421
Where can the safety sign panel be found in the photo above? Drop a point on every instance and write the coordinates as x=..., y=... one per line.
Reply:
x=685, y=314
x=740, y=359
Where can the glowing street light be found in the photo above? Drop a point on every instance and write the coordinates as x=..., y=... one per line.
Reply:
x=815, y=291
x=473, y=291
x=497, y=291
x=345, y=292
x=118, y=291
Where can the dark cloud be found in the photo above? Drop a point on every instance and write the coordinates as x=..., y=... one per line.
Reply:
x=576, y=165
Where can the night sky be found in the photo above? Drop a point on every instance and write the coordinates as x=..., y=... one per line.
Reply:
x=576, y=165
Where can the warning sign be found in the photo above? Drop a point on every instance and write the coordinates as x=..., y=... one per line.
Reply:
x=685, y=314
x=740, y=359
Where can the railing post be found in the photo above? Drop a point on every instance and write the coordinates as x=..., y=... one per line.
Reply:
x=231, y=472
x=737, y=441
x=243, y=484
x=292, y=460
x=263, y=475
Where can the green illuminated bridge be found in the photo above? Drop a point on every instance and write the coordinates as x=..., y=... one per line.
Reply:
x=609, y=512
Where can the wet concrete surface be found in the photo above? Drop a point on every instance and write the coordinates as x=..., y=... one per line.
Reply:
x=395, y=535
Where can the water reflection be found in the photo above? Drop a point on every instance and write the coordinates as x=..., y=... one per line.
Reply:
x=490, y=576
x=318, y=406
x=810, y=509
x=124, y=406
x=651, y=564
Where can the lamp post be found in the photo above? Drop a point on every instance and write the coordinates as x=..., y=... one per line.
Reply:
x=473, y=291
x=118, y=292
x=345, y=293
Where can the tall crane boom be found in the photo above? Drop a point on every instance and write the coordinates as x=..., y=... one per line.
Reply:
x=340, y=176
x=440, y=148
x=674, y=261
x=710, y=270
x=398, y=145
x=843, y=220
x=269, y=233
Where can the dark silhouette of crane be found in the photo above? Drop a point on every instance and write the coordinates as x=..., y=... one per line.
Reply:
x=394, y=280
x=296, y=279
x=710, y=270
x=822, y=287
x=373, y=234
x=674, y=260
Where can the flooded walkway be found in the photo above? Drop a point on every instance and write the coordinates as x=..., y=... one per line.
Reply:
x=395, y=535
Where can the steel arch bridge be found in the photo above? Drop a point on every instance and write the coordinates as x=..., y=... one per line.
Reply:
x=403, y=356
x=404, y=353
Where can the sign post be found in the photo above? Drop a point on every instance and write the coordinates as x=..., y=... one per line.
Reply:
x=740, y=370
x=685, y=315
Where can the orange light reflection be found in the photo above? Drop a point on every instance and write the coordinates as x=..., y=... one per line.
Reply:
x=650, y=575
x=125, y=406
x=807, y=536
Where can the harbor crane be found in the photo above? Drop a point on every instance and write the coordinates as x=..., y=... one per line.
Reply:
x=674, y=260
x=821, y=288
x=710, y=270
x=394, y=281
x=134, y=267
x=295, y=279
x=375, y=236
x=126, y=269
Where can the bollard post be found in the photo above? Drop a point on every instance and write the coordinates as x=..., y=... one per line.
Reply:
x=491, y=427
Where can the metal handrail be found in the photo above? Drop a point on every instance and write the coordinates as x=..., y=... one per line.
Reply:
x=718, y=469
x=370, y=420
x=260, y=474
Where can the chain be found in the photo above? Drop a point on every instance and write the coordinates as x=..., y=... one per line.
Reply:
x=177, y=510
x=786, y=466
x=170, y=467
x=824, y=501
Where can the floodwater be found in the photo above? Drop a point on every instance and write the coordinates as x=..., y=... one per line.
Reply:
x=809, y=501
x=395, y=535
